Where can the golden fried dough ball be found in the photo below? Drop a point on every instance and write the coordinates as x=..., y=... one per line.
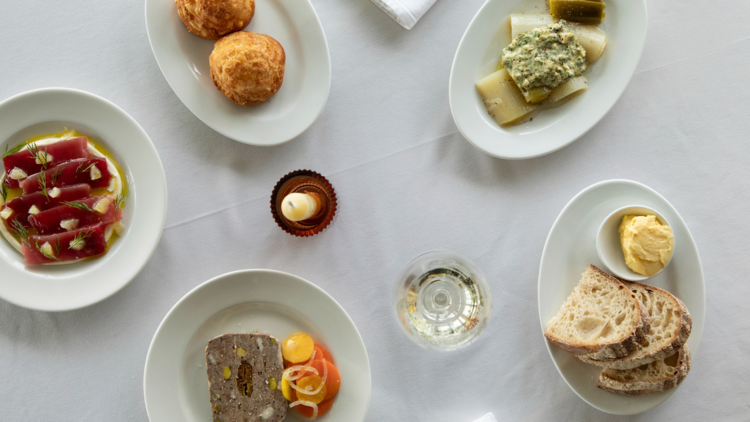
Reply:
x=212, y=19
x=247, y=67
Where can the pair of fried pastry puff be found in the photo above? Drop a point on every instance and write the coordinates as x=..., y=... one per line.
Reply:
x=246, y=67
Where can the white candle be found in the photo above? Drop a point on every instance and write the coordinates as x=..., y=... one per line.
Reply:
x=299, y=206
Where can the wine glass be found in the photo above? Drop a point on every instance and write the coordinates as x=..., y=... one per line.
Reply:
x=442, y=301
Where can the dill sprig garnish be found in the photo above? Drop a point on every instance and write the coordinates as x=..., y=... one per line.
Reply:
x=3, y=192
x=56, y=175
x=80, y=239
x=79, y=205
x=78, y=169
x=42, y=180
x=120, y=201
x=12, y=150
x=33, y=149
x=47, y=255
x=37, y=154
x=46, y=159
x=21, y=233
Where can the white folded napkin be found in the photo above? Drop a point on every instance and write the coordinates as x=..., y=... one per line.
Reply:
x=405, y=12
x=487, y=418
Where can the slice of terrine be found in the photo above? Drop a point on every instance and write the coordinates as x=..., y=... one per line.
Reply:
x=244, y=378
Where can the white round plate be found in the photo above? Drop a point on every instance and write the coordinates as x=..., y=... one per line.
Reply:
x=477, y=56
x=571, y=247
x=73, y=286
x=272, y=302
x=183, y=59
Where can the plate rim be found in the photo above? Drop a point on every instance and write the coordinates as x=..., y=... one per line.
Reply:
x=690, y=238
x=163, y=179
x=202, y=285
x=564, y=144
x=220, y=130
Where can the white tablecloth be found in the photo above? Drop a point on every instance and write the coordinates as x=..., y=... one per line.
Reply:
x=407, y=183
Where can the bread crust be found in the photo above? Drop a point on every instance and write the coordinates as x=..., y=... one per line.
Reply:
x=678, y=339
x=212, y=19
x=247, y=67
x=613, y=350
x=624, y=387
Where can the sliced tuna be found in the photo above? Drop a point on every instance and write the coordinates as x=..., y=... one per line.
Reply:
x=22, y=205
x=69, y=216
x=69, y=246
x=35, y=160
x=91, y=171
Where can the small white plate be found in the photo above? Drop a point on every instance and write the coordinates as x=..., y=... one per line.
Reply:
x=571, y=247
x=183, y=59
x=175, y=386
x=73, y=286
x=477, y=55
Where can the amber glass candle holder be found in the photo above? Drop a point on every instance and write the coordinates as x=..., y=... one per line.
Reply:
x=313, y=184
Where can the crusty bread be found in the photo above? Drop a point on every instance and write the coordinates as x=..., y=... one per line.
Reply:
x=247, y=67
x=670, y=324
x=659, y=375
x=212, y=19
x=601, y=318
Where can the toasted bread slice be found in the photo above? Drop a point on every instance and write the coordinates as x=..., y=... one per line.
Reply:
x=659, y=375
x=600, y=318
x=670, y=324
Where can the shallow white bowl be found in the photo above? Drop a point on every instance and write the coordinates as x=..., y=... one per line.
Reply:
x=183, y=59
x=66, y=287
x=175, y=386
x=609, y=247
x=571, y=247
x=553, y=129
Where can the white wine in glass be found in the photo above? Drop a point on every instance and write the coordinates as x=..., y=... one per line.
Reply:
x=442, y=301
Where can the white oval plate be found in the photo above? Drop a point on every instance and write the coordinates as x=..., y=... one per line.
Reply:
x=272, y=302
x=73, y=286
x=183, y=59
x=477, y=55
x=571, y=247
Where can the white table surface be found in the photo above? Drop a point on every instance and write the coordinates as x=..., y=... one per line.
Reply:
x=407, y=183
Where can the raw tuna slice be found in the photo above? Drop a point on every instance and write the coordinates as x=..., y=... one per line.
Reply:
x=73, y=215
x=91, y=171
x=32, y=161
x=23, y=204
x=68, y=246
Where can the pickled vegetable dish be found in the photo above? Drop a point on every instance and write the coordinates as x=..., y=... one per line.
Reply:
x=311, y=379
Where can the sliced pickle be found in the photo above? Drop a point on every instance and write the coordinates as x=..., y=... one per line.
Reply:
x=535, y=95
x=582, y=11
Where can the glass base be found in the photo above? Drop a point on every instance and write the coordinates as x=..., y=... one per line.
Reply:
x=442, y=301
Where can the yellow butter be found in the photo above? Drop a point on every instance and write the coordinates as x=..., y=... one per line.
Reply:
x=646, y=243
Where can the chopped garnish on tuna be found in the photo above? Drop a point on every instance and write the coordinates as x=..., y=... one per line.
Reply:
x=69, y=173
x=69, y=246
x=38, y=158
x=59, y=219
x=21, y=207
